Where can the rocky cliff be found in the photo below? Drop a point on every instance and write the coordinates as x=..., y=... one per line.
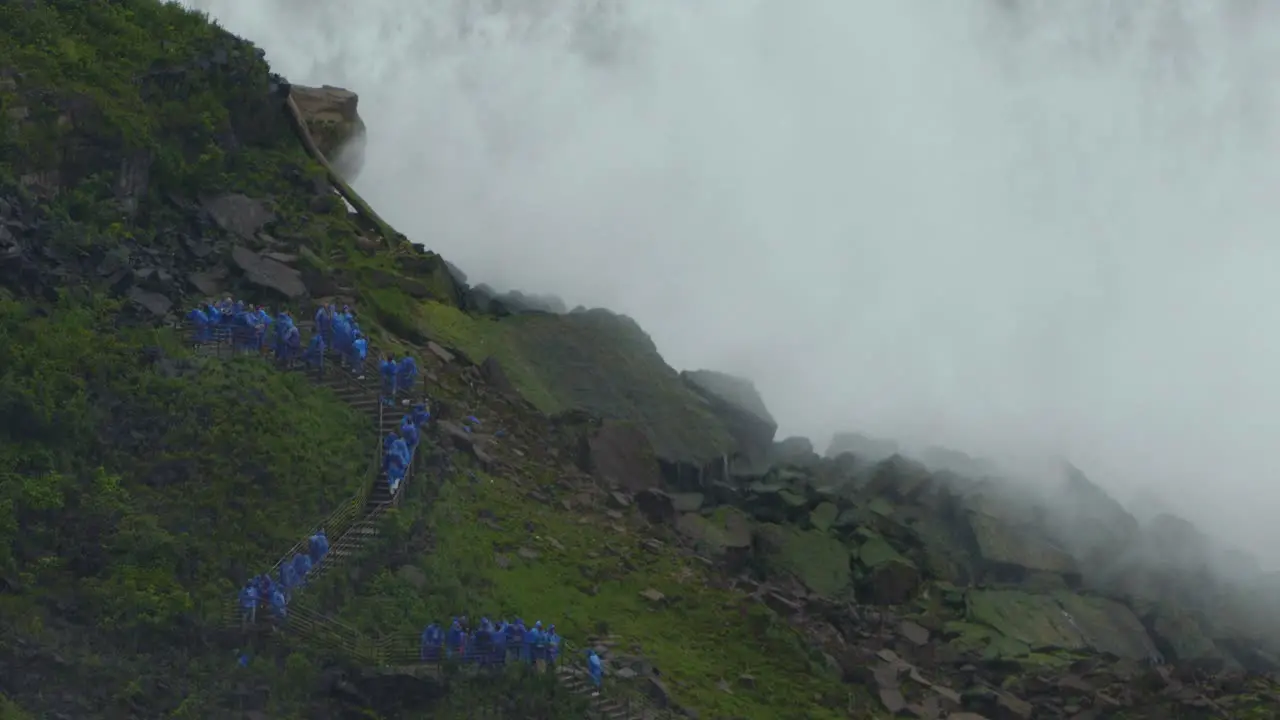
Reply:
x=148, y=160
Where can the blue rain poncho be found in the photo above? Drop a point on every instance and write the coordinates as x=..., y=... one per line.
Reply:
x=595, y=667
x=301, y=566
x=500, y=642
x=388, y=371
x=289, y=576
x=553, y=645
x=318, y=545
x=532, y=638
x=430, y=643
x=315, y=352
x=401, y=449
x=409, y=431
x=454, y=640
x=407, y=372
x=248, y=597
x=279, y=603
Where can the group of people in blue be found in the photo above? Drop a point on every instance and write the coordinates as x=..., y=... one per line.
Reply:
x=398, y=447
x=275, y=592
x=337, y=330
x=495, y=644
x=397, y=377
x=250, y=328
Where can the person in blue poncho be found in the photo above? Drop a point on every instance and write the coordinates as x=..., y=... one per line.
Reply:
x=200, y=329
x=388, y=369
x=249, y=603
x=263, y=327
x=409, y=431
x=596, y=669
x=265, y=587
x=515, y=638
x=324, y=323
x=454, y=640
x=420, y=415
x=359, y=350
x=318, y=545
x=302, y=566
x=292, y=345
x=279, y=604
x=315, y=353
x=499, y=636
x=342, y=334
x=532, y=639
x=389, y=456
x=406, y=374
x=401, y=456
x=482, y=643
x=289, y=577
x=430, y=648
x=553, y=646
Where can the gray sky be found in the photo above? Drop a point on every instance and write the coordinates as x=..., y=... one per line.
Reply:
x=1055, y=231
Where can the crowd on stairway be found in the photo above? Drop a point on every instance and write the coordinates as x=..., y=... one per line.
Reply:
x=249, y=328
x=275, y=592
x=490, y=644
x=254, y=329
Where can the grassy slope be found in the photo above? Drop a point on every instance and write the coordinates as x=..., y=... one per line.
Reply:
x=166, y=551
x=587, y=579
x=132, y=492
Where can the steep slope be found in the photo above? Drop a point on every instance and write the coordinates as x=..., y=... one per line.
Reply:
x=147, y=160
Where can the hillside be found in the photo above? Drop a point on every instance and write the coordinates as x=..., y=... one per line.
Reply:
x=148, y=161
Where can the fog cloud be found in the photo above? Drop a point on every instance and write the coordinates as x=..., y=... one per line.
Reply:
x=1000, y=226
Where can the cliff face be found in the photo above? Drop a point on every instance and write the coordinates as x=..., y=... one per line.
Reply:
x=147, y=162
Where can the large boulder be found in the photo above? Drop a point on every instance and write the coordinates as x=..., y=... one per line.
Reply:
x=739, y=406
x=1024, y=622
x=817, y=560
x=332, y=118
x=619, y=454
x=725, y=535
x=886, y=577
x=604, y=363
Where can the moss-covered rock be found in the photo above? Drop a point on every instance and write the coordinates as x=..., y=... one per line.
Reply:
x=818, y=560
x=593, y=360
x=738, y=405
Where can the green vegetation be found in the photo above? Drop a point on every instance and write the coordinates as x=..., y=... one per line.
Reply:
x=117, y=109
x=586, y=572
x=137, y=482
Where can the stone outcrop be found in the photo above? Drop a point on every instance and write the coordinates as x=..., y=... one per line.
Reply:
x=899, y=534
x=332, y=118
x=739, y=406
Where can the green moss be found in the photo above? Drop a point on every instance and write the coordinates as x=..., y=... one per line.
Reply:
x=481, y=337
x=877, y=551
x=820, y=561
x=824, y=516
